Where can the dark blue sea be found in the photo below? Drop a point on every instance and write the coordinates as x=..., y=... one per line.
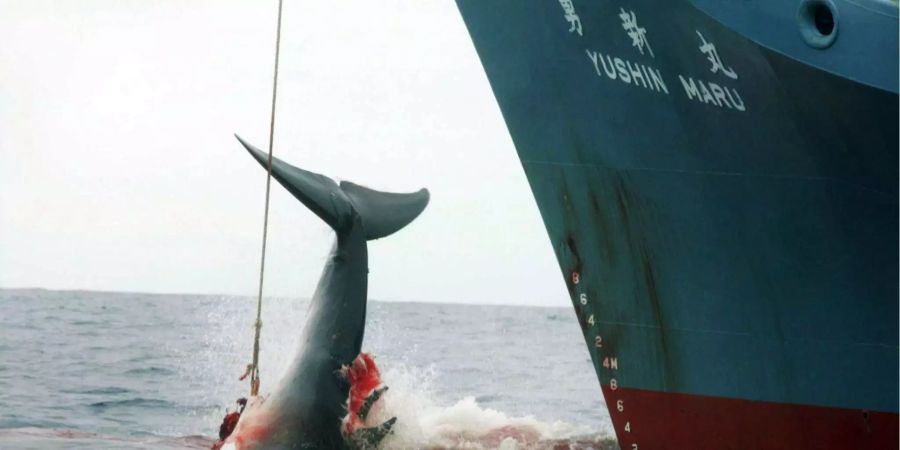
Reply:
x=89, y=370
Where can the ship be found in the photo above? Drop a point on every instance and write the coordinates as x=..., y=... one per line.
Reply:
x=719, y=183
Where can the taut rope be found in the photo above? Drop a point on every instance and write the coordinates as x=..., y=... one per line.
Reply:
x=254, y=375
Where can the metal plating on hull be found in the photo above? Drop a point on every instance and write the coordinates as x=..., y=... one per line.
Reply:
x=723, y=206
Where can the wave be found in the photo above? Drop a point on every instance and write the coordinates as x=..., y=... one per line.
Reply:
x=133, y=402
x=110, y=390
x=149, y=371
x=33, y=437
x=86, y=322
x=465, y=424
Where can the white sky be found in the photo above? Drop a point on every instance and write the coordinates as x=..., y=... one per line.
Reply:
x=118, y=169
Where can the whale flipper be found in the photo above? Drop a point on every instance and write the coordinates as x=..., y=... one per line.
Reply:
x=382, y=213
x=369, y=438
x=370, y=401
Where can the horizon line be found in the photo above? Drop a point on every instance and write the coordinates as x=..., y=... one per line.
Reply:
x=109, y=291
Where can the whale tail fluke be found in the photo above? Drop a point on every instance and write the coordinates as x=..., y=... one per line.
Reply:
x=385, y=213
x=382, y=213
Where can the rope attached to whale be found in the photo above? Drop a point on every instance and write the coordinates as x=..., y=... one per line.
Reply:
x=254, y=367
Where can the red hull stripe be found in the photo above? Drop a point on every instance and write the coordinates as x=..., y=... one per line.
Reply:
x=651, y=420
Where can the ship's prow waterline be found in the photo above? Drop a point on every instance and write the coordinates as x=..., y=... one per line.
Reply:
x=721, y=195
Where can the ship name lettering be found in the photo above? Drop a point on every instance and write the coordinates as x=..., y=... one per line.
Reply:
x=709, y=49
x=628, y=72
x=712, y=94
x=638, y=34
x=571, y=16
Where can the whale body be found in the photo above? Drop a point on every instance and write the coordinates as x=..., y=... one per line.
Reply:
x=306, y=408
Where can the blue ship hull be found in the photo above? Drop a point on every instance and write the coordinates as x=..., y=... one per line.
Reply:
x=721, y=195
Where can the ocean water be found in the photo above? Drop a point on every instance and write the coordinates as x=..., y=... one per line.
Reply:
x=82, y=369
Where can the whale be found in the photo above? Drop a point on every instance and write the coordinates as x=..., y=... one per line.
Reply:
x=307, y=406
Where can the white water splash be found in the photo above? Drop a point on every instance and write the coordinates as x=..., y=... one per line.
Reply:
x=422, y=423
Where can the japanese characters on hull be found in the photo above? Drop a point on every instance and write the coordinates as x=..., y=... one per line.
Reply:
x=646, y=75
x=709, y=92
x=571, y=17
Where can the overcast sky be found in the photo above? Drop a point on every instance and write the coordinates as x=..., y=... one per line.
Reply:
x=118, y=169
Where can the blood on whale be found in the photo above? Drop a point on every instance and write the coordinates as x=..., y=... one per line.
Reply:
x=364, y=378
